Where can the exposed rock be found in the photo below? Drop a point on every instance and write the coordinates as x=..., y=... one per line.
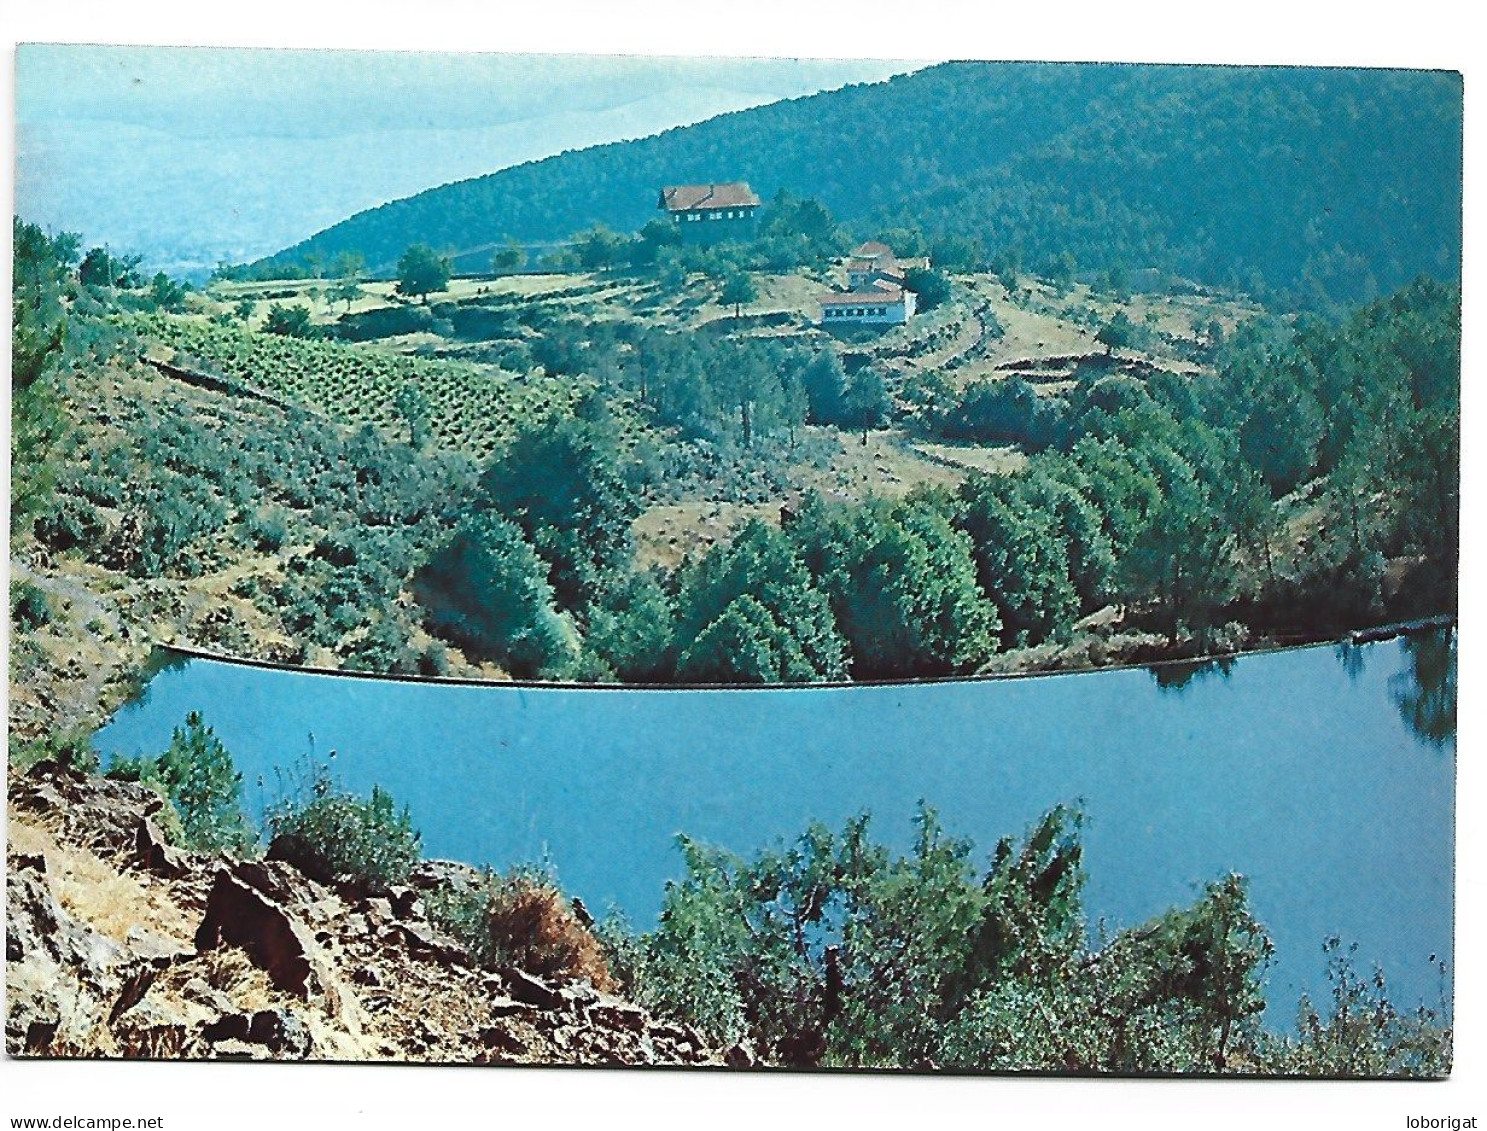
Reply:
x=741, y=1055
x=254, y=960
x=532, y=990
x=406, y=903
x=429, y=945
x=152, y=854
x=618, y=1016
x=240, y=915
x=281, y=1031
x=202, y=992
x=228, y=1027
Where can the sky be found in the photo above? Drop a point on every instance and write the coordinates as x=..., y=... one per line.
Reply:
x=192, y=156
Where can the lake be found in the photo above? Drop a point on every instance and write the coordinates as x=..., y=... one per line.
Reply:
x=1326, y=775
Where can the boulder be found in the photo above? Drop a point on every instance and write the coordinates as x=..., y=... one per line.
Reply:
x=281, y=1031
x=618, y=1015
x=240, y=915
x=154, y=855
x=741, y=1055
x=532, y=990
x=64, y=980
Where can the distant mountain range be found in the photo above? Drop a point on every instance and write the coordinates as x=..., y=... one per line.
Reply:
x=1325, y=183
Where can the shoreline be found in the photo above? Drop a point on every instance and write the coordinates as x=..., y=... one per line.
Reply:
x=1353, y=637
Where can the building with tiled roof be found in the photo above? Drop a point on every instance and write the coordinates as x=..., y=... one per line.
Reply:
x=881, y=303
x=712, y=212
x=876, y=291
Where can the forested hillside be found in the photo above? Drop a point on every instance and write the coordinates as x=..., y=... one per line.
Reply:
x=1323, y=185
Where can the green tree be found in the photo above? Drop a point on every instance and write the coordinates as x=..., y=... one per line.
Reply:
x=348, y=265
x=931, y=287
x=755, y=593
x=39, y=326
x=346, y=289
x=101, y=268
x=166, y=293
x=902, y=584
x=1183, y=558
x=866, y=399
x=599, y=248
x=560, y=482
x=197, y=775
x=413, y=407
x=290, y=321
x=1116, y=334
x=487, y=591
x=738, y=288
x=509, y=260
x=632, y=628
x=1022, y=558
x=421, y=271
x=825, y=385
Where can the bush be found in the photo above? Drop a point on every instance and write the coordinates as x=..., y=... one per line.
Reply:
x=291, y=321
x=487, y=591
x=268, y=528
x=335, y=834
x=68, y=523
x=384, y=322
x=72, y=750
x=522, y=920
x=29, y=608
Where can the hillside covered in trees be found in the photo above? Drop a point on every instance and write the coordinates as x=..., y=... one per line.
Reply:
x=1322, y=186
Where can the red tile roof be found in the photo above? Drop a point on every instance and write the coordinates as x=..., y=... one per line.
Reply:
x=881, y=295
x=689, y=198
x=872, y=249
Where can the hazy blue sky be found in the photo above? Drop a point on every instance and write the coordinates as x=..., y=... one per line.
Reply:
x=193, y=155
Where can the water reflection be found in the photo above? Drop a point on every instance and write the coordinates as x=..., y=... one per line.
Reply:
x=1425, y=692
x=159, y=662
x=1179, y=675
x=1352, y=657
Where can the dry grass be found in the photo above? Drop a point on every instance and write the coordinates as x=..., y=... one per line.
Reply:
x=999, y=461
x=113, y=903
x=666, y=534
x=534, y=926
x=886, y=466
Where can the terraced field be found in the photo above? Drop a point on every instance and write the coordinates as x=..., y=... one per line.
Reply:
x=471, y=408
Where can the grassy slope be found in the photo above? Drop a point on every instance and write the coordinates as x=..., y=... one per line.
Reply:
x=79, y=667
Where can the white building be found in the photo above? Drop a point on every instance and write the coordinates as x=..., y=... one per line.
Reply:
x=876, y=293
x=882, y=303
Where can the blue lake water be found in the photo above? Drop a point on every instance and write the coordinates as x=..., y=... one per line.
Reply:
x=1298, y=769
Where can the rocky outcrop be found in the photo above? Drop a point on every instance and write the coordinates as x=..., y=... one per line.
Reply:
x=239, y=915
x=118, y=944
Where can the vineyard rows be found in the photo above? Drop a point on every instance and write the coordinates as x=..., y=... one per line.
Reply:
x=470, y=407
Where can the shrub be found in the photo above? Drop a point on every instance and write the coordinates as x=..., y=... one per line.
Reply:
x=333, y=833
x=1363, y=1033
x=68, y=523
x=487, y=591
x=29, y=608
x=72, y=750
x=268, y=528
x=292, y=321
x=522, y=920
